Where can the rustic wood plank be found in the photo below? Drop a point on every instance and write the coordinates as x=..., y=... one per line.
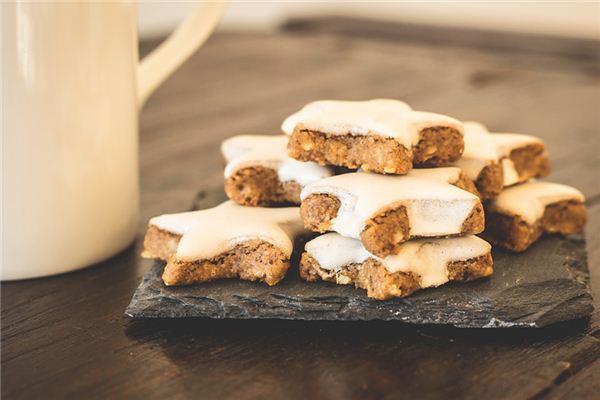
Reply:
x=65, y=336
x=583, y=386
x=446, y=36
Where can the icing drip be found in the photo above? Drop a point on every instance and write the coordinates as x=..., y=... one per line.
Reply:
x=245, y=151
x=483, y=148
x=383, y=117
x=529, y=200
x=208, y=233
x=434, y=207
x=427, y=258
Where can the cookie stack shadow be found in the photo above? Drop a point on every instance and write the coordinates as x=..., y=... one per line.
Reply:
x=398, y=197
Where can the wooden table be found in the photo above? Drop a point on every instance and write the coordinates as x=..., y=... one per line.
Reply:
x=66, y=336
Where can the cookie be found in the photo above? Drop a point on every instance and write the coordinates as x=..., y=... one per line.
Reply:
x=383, y=211
x=382, y=135
x=522, y=213
x=259, y=171
x=227, y=241
x=418, y=264
x=497, y=160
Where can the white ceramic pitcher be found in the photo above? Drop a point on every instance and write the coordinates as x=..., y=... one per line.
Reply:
x=72, y=88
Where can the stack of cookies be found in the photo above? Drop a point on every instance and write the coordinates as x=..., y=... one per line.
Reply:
x=397, y=195
x=392, y=228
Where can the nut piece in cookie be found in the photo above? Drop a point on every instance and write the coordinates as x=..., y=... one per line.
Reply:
x=382, y=135
x=497, y=160
x=522, y=213
x=259, y=171
x=419, y=264
x=227, y=241
x=383, y=211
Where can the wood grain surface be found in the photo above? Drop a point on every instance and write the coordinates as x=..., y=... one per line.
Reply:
x=66, y=336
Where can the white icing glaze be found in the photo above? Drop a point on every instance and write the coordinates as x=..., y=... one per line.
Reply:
x=483, y=148
x=509, y=172
x=428, y=258
x=208, y=233
x=529, y=200
x=383, y=117
x=434, y=207
x=446, y=174
x=333, y=251
x=269, y=151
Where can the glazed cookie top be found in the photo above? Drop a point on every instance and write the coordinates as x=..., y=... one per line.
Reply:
x=483, y=148
x=269, y=151
x=529, y=200
x=445, y=174
x=434, y=207
x=208, y=233
x=428, y=258
x=382, y=117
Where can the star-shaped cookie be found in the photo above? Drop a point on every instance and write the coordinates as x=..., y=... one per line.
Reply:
x=259, y=171
x=252, y=243
x=383, y=211
x=381, y=135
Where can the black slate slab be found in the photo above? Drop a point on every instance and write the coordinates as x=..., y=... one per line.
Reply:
x=547, y=284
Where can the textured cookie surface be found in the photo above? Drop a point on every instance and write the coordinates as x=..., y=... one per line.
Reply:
x=522, y=213
x=229, y=240
x=382, y=135
x=259, y=171
x=497, y=160
x=385, y=211
x=418, y=264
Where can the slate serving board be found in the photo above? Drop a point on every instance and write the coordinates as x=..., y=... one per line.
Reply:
x=546, y=284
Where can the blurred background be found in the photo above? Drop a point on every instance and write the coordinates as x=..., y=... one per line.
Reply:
x=580, y=19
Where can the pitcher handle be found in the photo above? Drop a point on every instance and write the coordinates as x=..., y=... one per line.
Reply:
x=174, y=50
